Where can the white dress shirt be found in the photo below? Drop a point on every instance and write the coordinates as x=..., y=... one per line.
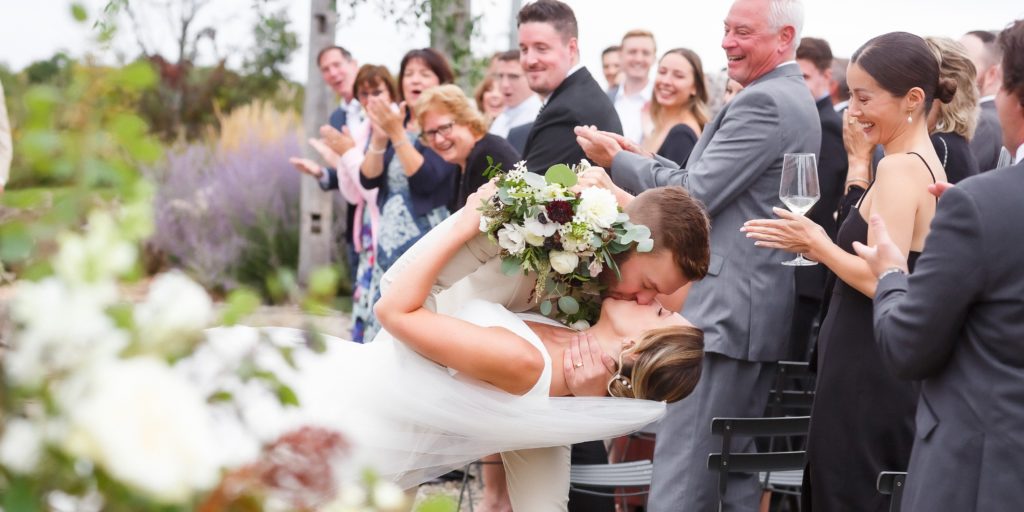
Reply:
x=630, y=108
x=524, y=112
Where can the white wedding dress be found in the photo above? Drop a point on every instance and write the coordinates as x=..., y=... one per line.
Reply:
x=407, y=417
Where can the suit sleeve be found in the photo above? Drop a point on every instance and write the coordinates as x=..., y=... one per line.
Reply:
x=745, y=144
x=470, y=257
x=433, y=173
x=919, y=320
x=554, y=142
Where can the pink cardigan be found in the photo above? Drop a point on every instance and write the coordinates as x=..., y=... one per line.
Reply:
x=355, y=194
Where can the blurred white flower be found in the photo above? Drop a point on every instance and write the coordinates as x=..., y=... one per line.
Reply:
x=147, y=426
x=595, y=267
x=388, y=497
x=485, y=223
x=563, y=262
x=61, y=329
x=580, y=325
x=534, y=240
x=512, y=238
x=173, y=315
x=597, y=207
x=21, y=446
x=102, y=254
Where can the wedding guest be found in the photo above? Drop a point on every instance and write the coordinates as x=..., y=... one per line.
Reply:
x=954, y=326
x=457, y=133
x=521, y=104
x=732, y=88
x=346, y=152
x=550, y=56
x=6, y=148
x=985, y=53
x=678, y=110
x=735, y=171
x=952, y=125
x=611, y=67
x=630, y=96
x=893, y=79
x=489, y=99
x=814, y=56
x=413, y=183
x=838, y=90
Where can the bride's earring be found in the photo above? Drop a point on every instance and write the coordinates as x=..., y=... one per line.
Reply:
x=910, y=120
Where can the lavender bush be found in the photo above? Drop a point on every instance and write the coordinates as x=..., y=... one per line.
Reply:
x=229, y=213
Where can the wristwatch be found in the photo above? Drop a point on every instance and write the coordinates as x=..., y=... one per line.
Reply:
x=892, y=270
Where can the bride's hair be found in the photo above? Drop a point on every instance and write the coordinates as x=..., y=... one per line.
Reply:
x=667, y=365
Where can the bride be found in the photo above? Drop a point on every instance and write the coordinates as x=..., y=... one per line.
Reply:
x=435, y=392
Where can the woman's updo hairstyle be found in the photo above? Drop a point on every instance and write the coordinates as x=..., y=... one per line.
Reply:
x=900, y=61
x=667, y=365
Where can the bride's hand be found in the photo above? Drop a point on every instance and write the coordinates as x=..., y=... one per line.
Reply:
x=790, y=232
x=469, y=215
x=587, y=368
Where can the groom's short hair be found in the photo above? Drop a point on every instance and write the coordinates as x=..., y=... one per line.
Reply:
x=679, y=223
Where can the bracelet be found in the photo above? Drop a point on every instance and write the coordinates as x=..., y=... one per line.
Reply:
x=373, y=151
x=400, y=143
x=862, y=180
x=893, y=270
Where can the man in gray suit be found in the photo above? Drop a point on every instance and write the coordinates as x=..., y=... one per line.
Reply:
x=957, y=324
x=745, y=304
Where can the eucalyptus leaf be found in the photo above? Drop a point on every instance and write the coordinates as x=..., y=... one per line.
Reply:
x=534, y=180
x=511, y=266
x=645, y=245
x=568, y=305
x=545, y=308
x=561, y=174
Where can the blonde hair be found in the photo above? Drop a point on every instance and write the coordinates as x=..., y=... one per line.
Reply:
x=639, y=32
x=960, y=115
x=667, y=365
x=450, y=99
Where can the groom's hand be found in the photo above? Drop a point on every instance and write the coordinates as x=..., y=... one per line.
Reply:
x=587, y=368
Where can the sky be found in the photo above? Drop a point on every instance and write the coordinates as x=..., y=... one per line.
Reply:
x=35, y=30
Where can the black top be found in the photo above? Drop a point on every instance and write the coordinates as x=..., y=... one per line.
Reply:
x=578, y=100
x=472, y=177
x=678, y=144
x=956, y=157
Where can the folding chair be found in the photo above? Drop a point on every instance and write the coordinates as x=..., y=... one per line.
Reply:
x=892, y=483
x=624, y=474
x=780, y=470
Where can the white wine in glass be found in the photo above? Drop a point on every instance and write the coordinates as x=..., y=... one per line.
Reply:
x=799, y=190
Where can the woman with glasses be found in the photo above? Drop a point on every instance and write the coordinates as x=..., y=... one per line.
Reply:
x=458, y=133
x=414, y=185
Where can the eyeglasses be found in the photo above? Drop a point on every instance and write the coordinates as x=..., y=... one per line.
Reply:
x=444, y=130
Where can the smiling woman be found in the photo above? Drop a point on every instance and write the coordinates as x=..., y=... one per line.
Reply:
x=457, y=132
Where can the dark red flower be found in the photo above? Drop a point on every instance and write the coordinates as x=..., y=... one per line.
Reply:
x=560, y=211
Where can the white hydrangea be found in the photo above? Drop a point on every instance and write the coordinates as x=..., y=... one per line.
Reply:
x=101, y=255
x=597, y=207
x=21, y=446
x=147, y=426
x=44, y=345
x=173, y=315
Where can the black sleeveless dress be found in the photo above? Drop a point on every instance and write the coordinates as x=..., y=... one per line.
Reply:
x=862, y=422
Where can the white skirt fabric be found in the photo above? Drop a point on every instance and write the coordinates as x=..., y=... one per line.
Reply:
x=406, y=417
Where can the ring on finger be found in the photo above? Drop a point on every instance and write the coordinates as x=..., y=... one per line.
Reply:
x=577, y=365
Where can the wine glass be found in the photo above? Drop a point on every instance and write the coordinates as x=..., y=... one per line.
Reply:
x=799, y=190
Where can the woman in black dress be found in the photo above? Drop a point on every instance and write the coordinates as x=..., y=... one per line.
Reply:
x=863, y=417
x=952, y=125
x=678, y=110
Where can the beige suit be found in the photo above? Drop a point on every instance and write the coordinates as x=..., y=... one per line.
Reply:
x=538, y=479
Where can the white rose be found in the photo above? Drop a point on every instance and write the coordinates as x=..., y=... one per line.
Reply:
x=563, y=262
x=147, y=426
x=484, y=223
x=84, y=334
x=512, y=238
x=174, y=314
x=388, y=496
x=595, y=267
x=21, y=446
x=597, y=207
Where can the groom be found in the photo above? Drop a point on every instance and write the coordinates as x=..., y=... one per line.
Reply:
x=538, y=479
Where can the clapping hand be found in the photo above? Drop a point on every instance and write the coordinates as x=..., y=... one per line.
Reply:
x=790, y=232
x=307, y=166
x=885, y=254
x=587, y=368
x=382, y=117
x=599, y=147
x=328, y=154
x=339, y=141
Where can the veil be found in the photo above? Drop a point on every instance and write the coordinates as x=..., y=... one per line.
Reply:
x=410, y=419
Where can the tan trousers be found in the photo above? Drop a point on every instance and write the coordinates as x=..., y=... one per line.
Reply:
x=538, y=479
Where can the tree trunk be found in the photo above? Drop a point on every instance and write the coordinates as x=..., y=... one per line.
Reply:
x=315, y=239
x=451, y=27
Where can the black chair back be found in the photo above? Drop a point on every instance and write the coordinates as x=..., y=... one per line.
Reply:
x=892, y=483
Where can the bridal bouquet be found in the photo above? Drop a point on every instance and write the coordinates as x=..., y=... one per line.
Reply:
x=566, y=238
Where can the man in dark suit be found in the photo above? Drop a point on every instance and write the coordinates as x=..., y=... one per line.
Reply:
x=549, y=53
x=987, y=141
x=957, y=325
x=814, y=56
